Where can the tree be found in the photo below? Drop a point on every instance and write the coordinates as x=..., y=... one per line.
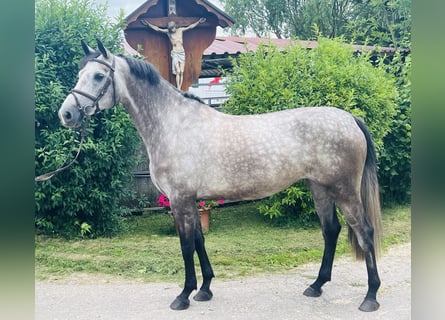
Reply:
x=382, y=22
x=260, y=17
x=270, y=80
x=378, y=22
x=289, y=18
x=85, y=199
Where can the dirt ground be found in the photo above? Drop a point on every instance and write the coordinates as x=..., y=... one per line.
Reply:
x=277, y=296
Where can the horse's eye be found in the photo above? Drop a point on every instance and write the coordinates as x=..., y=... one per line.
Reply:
x=99, y=76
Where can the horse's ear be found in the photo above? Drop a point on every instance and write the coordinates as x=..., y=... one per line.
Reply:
x=102, y=49
x=86, y=49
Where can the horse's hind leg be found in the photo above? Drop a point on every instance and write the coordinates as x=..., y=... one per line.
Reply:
x=204, y=293
x=331, y=228
x=364, y=232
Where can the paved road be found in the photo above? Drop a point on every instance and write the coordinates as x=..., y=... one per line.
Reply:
x=265, y=297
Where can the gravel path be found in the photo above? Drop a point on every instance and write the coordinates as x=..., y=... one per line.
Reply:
x=264, y=297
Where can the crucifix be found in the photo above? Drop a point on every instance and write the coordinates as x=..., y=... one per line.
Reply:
x=175, y=34
x=176, y=43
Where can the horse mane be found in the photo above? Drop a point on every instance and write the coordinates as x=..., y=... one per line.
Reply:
x=189, y=95
x=142, y=69
x=145, y=70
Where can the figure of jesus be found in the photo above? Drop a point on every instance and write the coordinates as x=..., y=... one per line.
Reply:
x=177, y=53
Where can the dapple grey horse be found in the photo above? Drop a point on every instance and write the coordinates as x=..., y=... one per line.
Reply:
x=196, y=152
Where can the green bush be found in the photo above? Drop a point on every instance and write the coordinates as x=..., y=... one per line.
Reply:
x=395, y=158
x=328, y=75
x=85, y=199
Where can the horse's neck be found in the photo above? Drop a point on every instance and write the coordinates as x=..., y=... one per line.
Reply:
x=149, y=107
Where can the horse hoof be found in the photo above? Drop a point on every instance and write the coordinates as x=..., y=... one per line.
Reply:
x=311, y=292
x=180, y=304
x=369, y=305
x=203, y=295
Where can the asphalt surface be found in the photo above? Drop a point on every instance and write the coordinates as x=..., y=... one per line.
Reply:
x=264, y=297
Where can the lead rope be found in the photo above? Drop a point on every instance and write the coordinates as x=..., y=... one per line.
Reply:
x=49, y=175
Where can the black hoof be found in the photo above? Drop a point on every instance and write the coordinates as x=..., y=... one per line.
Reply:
x=203, y=295
x=369, y=305
x=311, y=292
x=180, y=304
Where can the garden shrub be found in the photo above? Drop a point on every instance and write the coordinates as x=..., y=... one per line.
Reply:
x=395, y=158
x=85, y=199
x=271, y=79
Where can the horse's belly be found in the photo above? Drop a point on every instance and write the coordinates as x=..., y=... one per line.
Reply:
x=249, y=180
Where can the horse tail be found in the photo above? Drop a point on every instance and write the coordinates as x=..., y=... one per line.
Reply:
x=369, y=195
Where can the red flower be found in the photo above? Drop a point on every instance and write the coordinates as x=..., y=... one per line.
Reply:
x=163, y=201
x=209, y=204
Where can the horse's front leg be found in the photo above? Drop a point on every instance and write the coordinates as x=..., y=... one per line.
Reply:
x=186, y=215
x=204, y=294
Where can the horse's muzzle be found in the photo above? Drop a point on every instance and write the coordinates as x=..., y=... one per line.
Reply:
x=70, y=116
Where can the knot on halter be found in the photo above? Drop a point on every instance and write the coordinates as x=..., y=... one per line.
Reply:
x=89, y=110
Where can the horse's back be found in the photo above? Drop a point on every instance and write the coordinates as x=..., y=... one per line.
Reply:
x=310, y=132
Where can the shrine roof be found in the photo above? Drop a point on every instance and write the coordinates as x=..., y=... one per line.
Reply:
x=224, y=19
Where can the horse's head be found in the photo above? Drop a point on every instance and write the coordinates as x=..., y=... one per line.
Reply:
x=94, y=91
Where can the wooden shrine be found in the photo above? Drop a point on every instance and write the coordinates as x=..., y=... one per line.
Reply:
x=149, y=30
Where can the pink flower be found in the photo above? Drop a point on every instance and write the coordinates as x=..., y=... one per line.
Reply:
x=163, y=201
x=209, y=204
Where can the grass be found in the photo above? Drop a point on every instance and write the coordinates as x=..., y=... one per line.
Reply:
x=240, y=243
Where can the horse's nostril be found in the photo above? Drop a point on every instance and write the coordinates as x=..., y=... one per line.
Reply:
x=68, y=116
